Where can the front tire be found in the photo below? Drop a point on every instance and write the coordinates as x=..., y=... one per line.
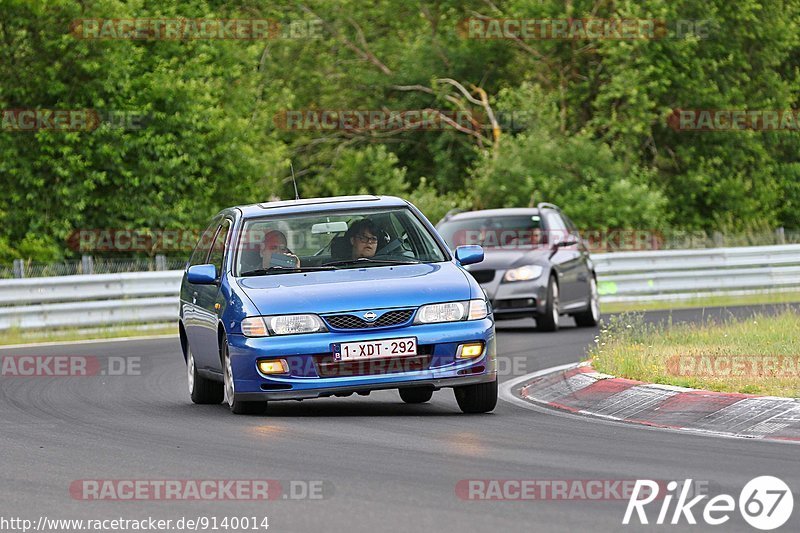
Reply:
x=237, y=407
x=202, y=390
x=591, y=317
x=478, y=398
x=416, y=395
x=549, y=320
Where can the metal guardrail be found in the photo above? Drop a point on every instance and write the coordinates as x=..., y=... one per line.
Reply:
x=152, y=297
x=99, y=300
x=683, y=274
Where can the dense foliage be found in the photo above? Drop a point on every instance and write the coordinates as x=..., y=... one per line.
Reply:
x=581, y=122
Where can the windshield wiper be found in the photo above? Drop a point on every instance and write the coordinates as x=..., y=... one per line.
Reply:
x=371, y=260
x=283, y=269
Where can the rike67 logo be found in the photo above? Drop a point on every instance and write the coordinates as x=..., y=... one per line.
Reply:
x=765, y=503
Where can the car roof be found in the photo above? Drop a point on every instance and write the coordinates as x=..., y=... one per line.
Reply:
x=310, y=205
x=489, y=213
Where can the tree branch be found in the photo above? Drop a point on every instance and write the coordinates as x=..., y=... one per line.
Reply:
x=364, y=54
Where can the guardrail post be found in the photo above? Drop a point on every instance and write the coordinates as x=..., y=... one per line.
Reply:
x=161, y=262
x=87, y=264
x=19, y=268
x=780, y=235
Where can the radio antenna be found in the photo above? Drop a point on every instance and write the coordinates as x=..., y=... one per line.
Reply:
x=296, y=194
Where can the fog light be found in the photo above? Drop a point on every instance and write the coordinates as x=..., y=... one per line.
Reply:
x=471, y=350
x=273, y=366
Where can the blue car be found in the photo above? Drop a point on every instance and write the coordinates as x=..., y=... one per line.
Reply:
x=300, y=299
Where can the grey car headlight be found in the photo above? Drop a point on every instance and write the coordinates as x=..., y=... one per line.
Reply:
x=523, y=273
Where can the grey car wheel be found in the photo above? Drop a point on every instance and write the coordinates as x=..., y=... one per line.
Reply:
x=548, y=321
x=591, y=317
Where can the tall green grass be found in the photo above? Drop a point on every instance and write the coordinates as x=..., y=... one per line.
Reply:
x=627, y=346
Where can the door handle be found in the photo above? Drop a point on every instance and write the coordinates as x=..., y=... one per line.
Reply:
x=194, y=297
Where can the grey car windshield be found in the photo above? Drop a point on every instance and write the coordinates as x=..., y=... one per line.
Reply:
x=517, y=231
x=334, y=239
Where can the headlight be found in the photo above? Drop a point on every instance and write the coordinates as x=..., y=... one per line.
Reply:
x=257, y=326
x=523, y=273
x=452, y=312
x=477, y=310
x=292, y=324
x=254, y=326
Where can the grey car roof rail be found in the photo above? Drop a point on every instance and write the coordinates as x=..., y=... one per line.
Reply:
x=452, y=213
x=547, y=205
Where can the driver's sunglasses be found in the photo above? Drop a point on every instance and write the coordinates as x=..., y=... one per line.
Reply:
x=368, y=240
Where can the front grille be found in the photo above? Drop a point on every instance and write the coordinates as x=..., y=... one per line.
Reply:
x=515, y=303
x=390, y=318
x=482, y=276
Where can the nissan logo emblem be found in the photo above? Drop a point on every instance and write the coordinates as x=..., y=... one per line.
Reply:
x=370, y=316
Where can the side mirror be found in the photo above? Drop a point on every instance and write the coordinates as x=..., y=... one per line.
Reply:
x=570, y=241
x=468, y=255
x=202, y=274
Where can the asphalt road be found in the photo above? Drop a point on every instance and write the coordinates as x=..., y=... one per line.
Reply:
x=386, y=466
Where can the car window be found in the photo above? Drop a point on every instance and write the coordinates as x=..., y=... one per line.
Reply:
x=201, y=249
x=218, y=249
x=570, y=224
x=389, y=235
x=556, y=228
x=508, y=231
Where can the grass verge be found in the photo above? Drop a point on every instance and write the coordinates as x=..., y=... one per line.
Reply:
x=17, y=336
x=712, y=301
x=758, y=355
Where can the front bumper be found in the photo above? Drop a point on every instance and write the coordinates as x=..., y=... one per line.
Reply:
x=308, y=355
x=517, y=299
x=435, y=384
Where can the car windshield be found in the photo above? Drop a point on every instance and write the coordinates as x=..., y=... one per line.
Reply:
x=333, y=240
x=511, y=231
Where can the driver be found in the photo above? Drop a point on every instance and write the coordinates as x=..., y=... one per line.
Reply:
x=364, y=238
x=275, y=252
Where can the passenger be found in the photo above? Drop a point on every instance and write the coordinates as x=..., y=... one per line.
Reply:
x=364, y=238
x=275, y=252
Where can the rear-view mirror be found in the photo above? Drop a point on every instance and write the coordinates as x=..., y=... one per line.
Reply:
x=329, y=227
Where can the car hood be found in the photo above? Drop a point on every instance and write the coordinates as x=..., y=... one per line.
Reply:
x=502, y=259
x=357, y=288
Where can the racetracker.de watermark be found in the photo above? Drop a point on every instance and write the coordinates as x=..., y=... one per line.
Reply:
x=69, y=120
x=176, y=29
x=718, y=120
x=68, y=366
x=725, y=366
x=428, y=119
x=603, y=240
x=135, y=240
x=557, y=489
x=145, y=240
x=199, y=489
x=569, y=29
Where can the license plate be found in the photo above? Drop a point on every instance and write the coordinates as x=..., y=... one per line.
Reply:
x=351, y=351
